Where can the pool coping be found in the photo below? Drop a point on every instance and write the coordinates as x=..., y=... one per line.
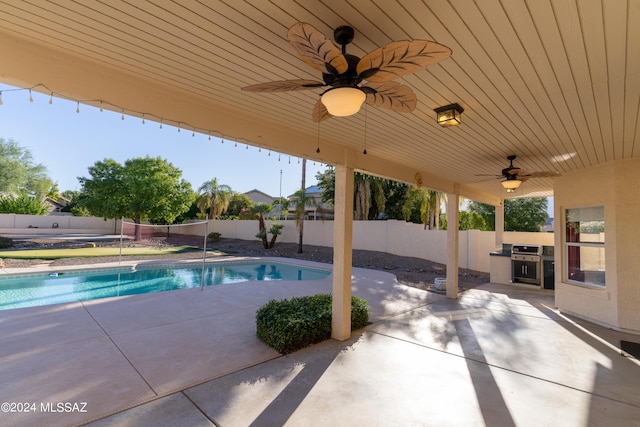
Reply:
x=33, y=271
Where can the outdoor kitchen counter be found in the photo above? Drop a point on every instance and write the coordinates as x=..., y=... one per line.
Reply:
x=500, y=265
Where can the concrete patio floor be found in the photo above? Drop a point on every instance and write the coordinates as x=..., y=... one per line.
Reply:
x=499, y=355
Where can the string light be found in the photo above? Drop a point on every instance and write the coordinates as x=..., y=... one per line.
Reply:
x=115, y=107
x=318, y=144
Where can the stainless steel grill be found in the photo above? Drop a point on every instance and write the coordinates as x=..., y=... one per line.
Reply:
x=526, y=263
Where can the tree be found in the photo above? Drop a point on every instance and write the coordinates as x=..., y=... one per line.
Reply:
x=300, y=199
x=487, y=212
x=327, y=184
x=525, y=214
x=22, y=204
x=258, y=210
x=427, y=203
x=143, y=188
x=19, y=173
x=368, y=189
x=238, y=203
x=471, y=221
x=283, y=206
x=215, y=196
x=370, y=194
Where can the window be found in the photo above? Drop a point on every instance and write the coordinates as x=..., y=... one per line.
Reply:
x=584, y=246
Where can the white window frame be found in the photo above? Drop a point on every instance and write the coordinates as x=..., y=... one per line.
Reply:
x=567, y=245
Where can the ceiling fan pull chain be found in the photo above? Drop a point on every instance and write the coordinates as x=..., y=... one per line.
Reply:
x=365, y=130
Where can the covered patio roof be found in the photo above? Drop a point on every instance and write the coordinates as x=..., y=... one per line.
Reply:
x=555, y=82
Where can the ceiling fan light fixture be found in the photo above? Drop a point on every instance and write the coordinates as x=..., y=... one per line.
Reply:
x=511, y=184
x=343, y=101
x=449, y=115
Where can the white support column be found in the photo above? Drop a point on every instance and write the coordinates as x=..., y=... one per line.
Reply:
x=342, y=254
x=499, y=225
x=452, y=245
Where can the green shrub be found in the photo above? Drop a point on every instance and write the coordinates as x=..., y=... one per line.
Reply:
x=5, y=242
x=23, y=204
x=290, y=325
x=214, y=236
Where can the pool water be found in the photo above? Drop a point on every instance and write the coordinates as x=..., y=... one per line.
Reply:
x=30, y=291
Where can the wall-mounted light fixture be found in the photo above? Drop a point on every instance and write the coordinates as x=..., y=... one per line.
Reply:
x=343, y=101
x=449, y=115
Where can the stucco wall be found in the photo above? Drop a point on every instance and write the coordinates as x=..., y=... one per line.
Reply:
x=394, y=237
x=626, y=189
x=616, y=186
x=55, y=224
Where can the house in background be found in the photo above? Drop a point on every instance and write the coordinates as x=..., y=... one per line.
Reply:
x=55, y=206
x=258, y=196
x=314, y=210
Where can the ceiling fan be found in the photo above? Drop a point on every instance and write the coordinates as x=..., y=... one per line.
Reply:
x=344, y=73
x=513, y=176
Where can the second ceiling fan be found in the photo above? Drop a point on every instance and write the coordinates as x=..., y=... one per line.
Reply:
x=344, y=73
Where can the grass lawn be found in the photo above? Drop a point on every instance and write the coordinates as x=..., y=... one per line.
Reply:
x=92, y=252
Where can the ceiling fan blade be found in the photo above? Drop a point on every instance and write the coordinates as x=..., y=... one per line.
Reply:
x=320, y=112
x=284, y=86
x=397, y=59
x=393, y=96
x=512, y=170
x=314, y=49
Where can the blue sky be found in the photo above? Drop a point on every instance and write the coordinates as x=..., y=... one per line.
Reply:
x=67, y=143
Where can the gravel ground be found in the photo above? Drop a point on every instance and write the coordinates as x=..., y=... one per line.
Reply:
x=410, y=271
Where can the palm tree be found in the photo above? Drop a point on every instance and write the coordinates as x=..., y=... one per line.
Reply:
x=259, y=209
x=367, y=188
x=301, y=199
x=429, y=201
x=214, y=196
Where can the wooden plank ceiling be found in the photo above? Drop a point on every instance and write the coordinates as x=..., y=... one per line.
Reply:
x=555, y=82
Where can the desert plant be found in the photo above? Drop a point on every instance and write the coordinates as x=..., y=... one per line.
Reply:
x=5, y=242
x=289, y=325
x=213, y=236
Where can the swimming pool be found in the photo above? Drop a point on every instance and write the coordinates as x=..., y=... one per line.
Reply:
x=45, y=289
